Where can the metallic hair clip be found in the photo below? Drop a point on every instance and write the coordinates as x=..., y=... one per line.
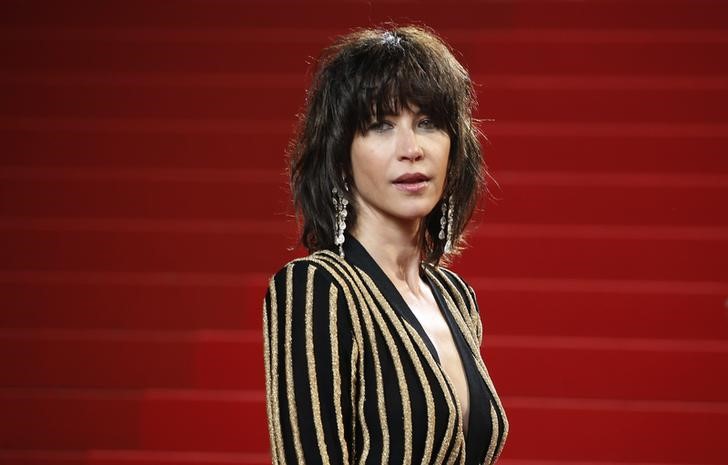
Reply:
x=389, y=38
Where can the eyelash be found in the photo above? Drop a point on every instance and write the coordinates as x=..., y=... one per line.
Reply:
x=379, y=124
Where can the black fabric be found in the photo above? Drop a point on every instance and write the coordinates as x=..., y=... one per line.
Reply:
x=479, y=423
x=350, y=371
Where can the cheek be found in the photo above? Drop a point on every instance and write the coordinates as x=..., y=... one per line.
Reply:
x=367, y=163
x=444, y=154
x=356, y=156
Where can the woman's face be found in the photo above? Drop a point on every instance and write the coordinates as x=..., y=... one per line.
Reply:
x=399, y=166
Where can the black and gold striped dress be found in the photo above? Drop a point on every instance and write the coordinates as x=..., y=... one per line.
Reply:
x=352, y=377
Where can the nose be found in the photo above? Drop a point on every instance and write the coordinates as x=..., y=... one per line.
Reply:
x=408, y=146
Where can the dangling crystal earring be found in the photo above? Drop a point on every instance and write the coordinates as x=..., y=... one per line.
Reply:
x=446, y=223
x=340, y=204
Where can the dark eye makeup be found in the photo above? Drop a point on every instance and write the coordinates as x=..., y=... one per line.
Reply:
x=427, y=123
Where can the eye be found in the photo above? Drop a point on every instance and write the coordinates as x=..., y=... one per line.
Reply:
x=379, y=126
x=428, y=124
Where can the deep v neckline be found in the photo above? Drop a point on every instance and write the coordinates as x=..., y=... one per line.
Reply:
x=357, y=255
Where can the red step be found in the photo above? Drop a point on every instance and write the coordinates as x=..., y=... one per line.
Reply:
x=583, y=367
x=669, y=432
x=586, y=105
x=188, y=14
x=131, y=359
x=527, y=307
x=520, y=197
x=129, y=457
x=591, y=202
x=663, y=153
x=46, y=147
x=616, y=431
x=498, y=252
x=156, y=100
x=643, y=258
x=585, y=52
x=628, y=369
x=132, y=457
x=161, y=251
x=167, y=193
x=600, y=274
x=201, y=100
x=132, y=301
x=600, y=309
x=134, y=419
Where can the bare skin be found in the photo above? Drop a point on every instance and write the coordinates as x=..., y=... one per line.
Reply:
x=388, y=219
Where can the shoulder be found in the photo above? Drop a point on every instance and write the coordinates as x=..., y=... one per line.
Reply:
x=305, y=299
x=455, y=285
x=325, y=267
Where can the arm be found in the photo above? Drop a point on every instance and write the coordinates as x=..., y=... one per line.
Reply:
x=309, y=354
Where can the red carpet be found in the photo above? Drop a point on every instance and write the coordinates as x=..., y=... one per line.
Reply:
x=143, y=209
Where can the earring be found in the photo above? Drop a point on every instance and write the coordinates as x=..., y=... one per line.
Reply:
x=340, y=204
x=446, y=223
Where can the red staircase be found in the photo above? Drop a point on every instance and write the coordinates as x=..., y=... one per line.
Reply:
x=143, y=208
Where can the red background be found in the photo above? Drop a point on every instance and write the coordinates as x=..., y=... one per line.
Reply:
x=143, y=208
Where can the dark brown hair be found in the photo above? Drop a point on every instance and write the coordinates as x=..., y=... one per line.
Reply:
x=371, y=72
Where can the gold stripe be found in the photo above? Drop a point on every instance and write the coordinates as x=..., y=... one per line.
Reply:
x=463, y=452
x=433, y=365
x=359, y=289
x=359, y=338
x=292, y=410
x=463, y=309
x=381, y=407
x=275, y=419
x=479, y=331
x=268, y=389
x=333, y=261
x=311, y=359
x=503, y=439
x=458, y=316
x=445, y=391
x=458, y=452
x=468, y=309
x=335, y=369
x=474, y=315
x=353, y=387
x=479, y=362
x=459, y=432
x=494, y=436
x=401, y=380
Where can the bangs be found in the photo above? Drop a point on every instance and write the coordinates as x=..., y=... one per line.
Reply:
x=360, y=79
x=391, y=78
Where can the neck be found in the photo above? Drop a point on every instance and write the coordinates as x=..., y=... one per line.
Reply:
x=395, y=248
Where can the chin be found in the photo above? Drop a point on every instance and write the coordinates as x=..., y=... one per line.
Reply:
x=414, y=213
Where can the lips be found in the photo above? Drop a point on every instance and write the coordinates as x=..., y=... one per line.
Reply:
x=411, y=178
x=412, y=183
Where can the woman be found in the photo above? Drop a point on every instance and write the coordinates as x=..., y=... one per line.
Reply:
x=371, y=345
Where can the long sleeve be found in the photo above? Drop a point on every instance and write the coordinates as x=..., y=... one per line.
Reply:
x=310, y=356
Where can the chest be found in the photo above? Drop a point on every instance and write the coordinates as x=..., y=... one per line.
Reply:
x=438, y=331
x=435, y=326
